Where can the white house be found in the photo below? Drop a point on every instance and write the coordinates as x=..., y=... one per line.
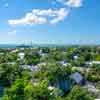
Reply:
x=92, y=89
x=29, y=67
x=90, y=63
x=64, y=63
x=21, y=55
x=14, y=51
x=96, y=62
x=76, y=57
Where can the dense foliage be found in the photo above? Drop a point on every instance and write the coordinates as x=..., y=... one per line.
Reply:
x=45, y=73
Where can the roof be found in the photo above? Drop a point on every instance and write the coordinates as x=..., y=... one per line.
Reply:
x=30, y=67
x=64, y=63
x=21, y=54
x=92, y=88
x=77, y=77
x=96, y=62
x=51, y=88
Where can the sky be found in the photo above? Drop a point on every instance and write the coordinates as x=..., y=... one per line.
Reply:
x=50, y=21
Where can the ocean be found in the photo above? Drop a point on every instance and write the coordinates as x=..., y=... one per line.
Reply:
x=6, y=46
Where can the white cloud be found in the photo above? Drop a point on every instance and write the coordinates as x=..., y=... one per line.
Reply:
x=61, y=16
x=38, y=16
x=74, y=3
x=71, y=3
x=29, y=19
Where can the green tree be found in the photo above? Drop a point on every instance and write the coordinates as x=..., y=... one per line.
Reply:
x=25, y=90
x=78, y=93
x=53, y=72
x=32, y=58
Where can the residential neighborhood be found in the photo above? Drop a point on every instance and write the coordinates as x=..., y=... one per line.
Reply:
x=62, y=73
x=49, y=49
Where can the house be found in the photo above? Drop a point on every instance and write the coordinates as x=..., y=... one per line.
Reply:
x=14, y=51
x=29, y=67
x=90, y=64
x=96, y=62
x=51, y=88
x=41, y=53
x=65, y=85
x=21, y=55
x=55, y=91
x=92, y=89
x=76, y=57
x=77, y=78
x=64, y=63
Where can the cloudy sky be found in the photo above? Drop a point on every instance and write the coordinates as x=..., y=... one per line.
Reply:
x=50, y=21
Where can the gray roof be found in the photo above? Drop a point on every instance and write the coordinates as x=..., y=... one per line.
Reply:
x=77, y=77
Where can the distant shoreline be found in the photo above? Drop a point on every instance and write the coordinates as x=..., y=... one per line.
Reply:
x=5, y=46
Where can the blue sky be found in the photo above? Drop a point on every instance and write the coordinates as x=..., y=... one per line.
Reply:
x=50, y=21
